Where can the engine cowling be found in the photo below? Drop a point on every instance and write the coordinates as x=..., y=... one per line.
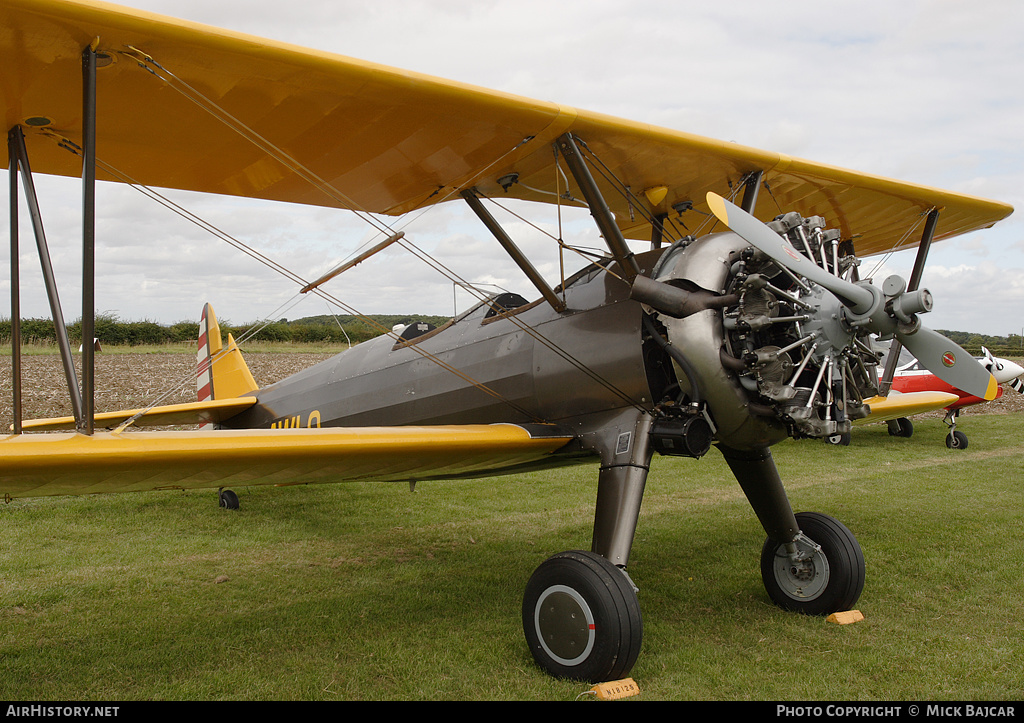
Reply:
x=776, y=357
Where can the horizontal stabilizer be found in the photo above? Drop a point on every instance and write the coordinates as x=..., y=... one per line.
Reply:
x=211, y=411
x=36, y=465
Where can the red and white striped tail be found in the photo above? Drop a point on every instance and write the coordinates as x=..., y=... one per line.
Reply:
x=209, y=343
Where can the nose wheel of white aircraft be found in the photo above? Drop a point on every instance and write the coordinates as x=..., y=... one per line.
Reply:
x=582, y=618
x=822, y=572
x=956, y=440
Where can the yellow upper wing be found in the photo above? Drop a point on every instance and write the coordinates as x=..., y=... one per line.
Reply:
x=353, y=134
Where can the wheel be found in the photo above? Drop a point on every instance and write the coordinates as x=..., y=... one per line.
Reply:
x=582, y=618
x=901, y=427
x=228, y=500
x=839, y=439
x=829, y=579
x=956, y=440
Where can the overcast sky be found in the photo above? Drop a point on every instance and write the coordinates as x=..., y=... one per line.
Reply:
x=923, y=91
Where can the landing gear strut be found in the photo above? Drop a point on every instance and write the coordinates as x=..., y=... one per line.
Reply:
x=955, y=439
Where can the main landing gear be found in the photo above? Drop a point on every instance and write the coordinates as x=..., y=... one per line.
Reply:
x=582, y=618
x=819, y=573
x=901, y=427
x=955, y=439
x=581, y=615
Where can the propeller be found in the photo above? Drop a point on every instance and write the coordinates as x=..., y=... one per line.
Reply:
x=891, y=310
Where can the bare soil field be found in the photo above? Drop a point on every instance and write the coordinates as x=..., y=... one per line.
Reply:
x=130, y=381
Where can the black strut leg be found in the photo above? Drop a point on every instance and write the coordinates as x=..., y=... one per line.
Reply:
x=17, y=144
x=620, y=491
x=513, y=251
x=751, y=185
x=912, y=285
x=598, y=207
x=755, y=471
x=12, y=179
x=85, y=424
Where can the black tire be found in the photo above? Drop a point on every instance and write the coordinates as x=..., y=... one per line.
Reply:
x=228, y=500
x=581, y=618
x=832, y=580
x=839, y=439
x=901, y=427
x=956, y=440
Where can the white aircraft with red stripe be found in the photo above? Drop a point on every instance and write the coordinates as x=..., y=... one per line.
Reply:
x=912, y=377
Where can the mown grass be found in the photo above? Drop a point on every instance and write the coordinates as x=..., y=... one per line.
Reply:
x=370, y=591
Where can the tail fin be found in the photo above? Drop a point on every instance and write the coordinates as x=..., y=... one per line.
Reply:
x=221, y=373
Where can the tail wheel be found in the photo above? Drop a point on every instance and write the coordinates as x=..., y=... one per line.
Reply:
x=828, y=577
x=581, y=618
x=228, y=500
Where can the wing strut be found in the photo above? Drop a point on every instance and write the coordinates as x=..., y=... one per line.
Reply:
x=81, y=397
x=915, y=280
x=510, y=247
x=87, y=422
x=751, y=185
x=12, y=195
x=19, y=160
x=598, y=207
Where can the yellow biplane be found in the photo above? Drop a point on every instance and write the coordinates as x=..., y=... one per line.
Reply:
x=736, y=339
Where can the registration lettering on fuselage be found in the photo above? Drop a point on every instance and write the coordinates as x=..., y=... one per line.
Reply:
x=312, y=421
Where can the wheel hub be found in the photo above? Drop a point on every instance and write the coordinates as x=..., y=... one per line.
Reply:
x=803, y=575
x=565, y=625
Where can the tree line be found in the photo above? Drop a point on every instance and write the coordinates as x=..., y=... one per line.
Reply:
x=111, y=330
x=328, y=329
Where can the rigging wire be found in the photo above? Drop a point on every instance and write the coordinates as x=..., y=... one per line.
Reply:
x=284, y=271
x=268, y=147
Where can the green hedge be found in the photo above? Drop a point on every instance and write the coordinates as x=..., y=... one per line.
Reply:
x=111, y=330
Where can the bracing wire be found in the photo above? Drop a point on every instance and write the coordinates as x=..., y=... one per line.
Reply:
x=148, y=63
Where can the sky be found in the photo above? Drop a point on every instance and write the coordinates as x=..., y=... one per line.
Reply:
x=926, y=91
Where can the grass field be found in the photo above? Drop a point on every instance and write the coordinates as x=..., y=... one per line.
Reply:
x=371, y=591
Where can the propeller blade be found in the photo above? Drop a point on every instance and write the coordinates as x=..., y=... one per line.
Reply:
x=763, y=238
x=950, y=363
x=939, y=355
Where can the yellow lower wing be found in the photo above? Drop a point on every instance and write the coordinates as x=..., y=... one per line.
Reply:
x=35, y=465
x=898, y=405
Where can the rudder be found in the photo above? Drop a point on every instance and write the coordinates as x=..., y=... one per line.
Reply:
x=221, y=372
